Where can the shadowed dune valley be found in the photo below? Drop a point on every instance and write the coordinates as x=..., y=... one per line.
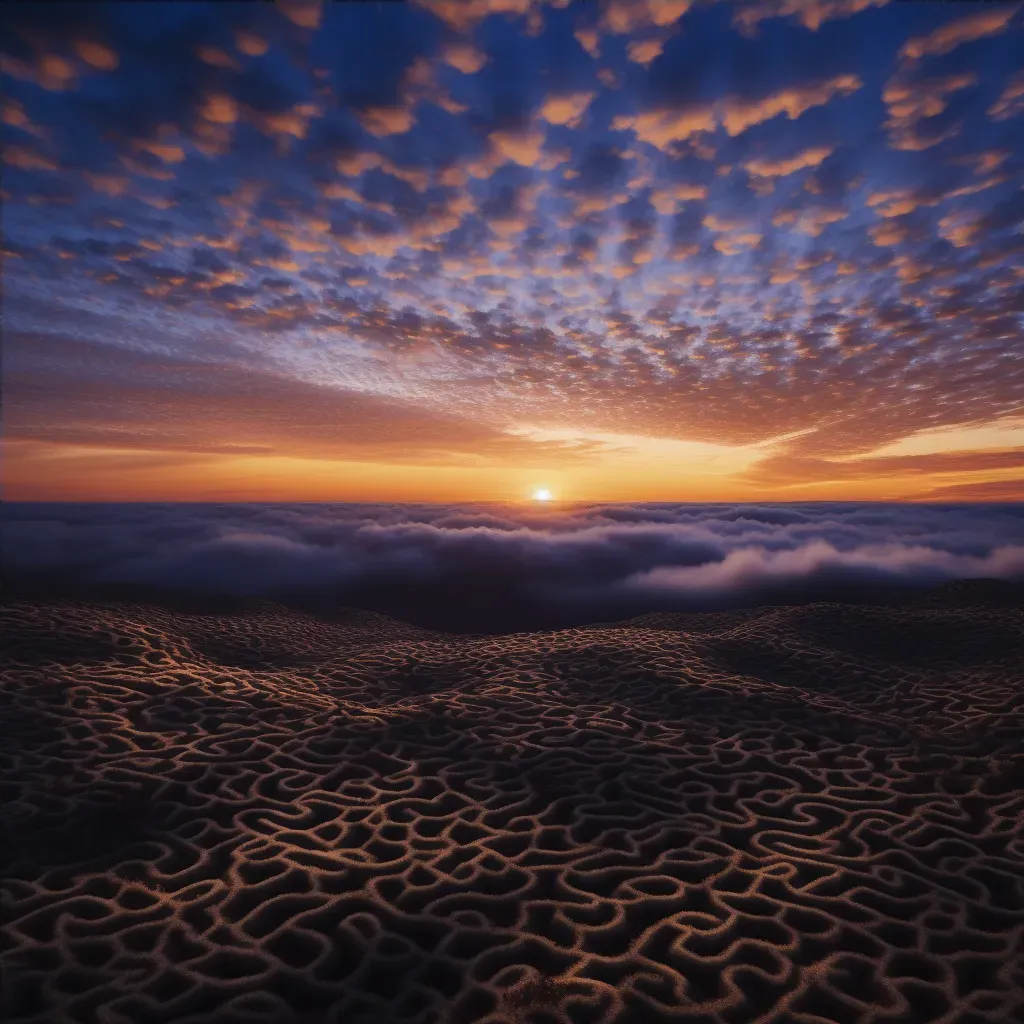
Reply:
x=225, y=807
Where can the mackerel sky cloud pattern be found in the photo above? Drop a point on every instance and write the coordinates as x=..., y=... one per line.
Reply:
x=498, y=239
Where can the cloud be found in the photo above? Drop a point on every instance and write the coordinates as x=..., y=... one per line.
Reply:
x=96, y=54
x=789, y=469
x=250, y=43
x=304, y=13
x=811, y=14
x=643, y=51
x=731, y=245
x=740, y=114
x=507, y=567
x=103, y=394
x=590, y=39
x=567, y=109
x=668, y=199
x=13, y=113
x=523, y=146
x=1011, y=100
x=27, y=159
x=465, y=15
x=987, y=490
x=811, y=157
x=912, y=101
x=948, y=37
x=623, y=17
x=888, y=234
x=756, y=568
x=662, y=128
x=382, y=121
x=463, y=56
x=48, y=70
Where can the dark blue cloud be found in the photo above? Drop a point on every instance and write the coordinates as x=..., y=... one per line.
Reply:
x=508, y=567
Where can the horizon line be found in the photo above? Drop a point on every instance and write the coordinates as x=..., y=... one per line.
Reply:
x=512, y=501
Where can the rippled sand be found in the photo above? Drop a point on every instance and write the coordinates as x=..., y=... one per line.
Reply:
x=785, y=814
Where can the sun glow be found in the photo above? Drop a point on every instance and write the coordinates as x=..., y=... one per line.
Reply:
x=542, y=494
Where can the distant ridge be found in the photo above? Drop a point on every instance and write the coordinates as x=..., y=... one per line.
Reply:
x=958, y=593
x=495, y=617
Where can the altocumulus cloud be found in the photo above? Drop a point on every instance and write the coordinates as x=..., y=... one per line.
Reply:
x=504, y=567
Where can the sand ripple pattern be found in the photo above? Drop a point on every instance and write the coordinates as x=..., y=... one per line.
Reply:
x=787, y=814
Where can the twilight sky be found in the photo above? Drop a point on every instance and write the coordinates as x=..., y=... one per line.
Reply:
x=460, y=249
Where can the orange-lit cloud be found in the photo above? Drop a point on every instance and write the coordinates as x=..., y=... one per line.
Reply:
x=381, y=121
x=50, y=70
x=811, y=14
x=661, y=128
x=590, y=40
x=788, y=165
x=666, y=126
x=520, y=147
x=643, y=51
x=911, y=101
x=567, y=109
x=96, y=54
x=250, y=43
x=27, y=159
x=464, y=56
x=668, y=199
x=810, y=220
x=739, y=115
x=1011, y=100
x=304, y=13
x=622, y=17
x=962, y=30
x=464, y=15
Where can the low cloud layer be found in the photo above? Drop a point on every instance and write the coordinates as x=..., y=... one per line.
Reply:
x=498, y=568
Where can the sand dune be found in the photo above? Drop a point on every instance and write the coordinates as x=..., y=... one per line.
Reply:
x=777, y=814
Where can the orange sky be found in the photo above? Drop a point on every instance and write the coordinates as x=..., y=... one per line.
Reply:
x=629, y=468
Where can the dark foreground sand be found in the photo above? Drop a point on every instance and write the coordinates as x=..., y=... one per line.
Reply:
x=783, y=814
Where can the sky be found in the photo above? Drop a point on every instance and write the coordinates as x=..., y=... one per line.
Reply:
x=459, y=250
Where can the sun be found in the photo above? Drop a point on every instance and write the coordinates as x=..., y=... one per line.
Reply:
x=542, y=494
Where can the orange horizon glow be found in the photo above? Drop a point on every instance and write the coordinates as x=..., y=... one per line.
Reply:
x=635, y=469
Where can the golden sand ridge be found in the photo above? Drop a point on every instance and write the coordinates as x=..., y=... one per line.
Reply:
x=789, y=814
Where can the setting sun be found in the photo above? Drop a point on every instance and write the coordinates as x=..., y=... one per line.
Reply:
x=542, y=494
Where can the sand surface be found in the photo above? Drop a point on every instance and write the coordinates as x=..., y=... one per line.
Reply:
x=780, y=814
